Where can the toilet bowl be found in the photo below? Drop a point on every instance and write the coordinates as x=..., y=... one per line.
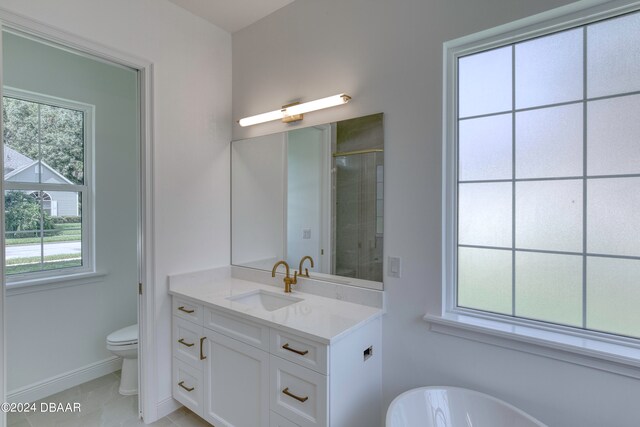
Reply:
x=124, y=343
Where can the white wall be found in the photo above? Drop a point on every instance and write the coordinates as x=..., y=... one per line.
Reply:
x=388, y=56
x=305, y=179
x=258, y=200
x=192, y=101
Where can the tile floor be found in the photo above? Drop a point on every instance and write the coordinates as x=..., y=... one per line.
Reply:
x=101, y=406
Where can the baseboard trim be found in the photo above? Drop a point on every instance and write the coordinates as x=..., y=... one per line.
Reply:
x=53, y=385
x=167, y=406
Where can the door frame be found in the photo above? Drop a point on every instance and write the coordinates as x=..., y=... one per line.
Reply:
x=147, y=402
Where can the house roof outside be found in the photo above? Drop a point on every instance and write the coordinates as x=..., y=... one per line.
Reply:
x=14, y=160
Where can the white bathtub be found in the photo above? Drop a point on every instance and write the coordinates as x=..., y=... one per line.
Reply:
x=454, y=407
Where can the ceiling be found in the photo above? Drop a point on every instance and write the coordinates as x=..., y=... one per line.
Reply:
x=232, y=15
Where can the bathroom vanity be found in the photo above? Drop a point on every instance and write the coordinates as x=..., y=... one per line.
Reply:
x=246, y=354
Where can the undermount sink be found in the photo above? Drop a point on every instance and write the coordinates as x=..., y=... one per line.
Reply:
x=265, y=300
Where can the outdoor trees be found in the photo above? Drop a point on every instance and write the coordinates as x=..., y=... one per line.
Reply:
x=41, y=142
x=23, y=213
x=59, y=131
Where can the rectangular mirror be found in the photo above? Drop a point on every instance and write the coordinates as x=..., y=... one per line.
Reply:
x=316, y=192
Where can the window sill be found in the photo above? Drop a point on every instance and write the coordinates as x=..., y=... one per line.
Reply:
x=598, y=354
x=49, y=283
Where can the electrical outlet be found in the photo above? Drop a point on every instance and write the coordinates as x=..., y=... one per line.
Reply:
x=367, y=353
x=306, y=233
x=394, y=267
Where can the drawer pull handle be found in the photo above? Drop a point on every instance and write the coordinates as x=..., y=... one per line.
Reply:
x=298, y=398
x=301, y=353
x=189, y=389
x=181, y=341
x=202, y=356
x=181, y=308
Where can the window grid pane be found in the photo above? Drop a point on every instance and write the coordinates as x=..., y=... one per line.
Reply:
x=44, y=182
x=485, y=82
x=485, y=277
x=549, y=69
x=559, y=160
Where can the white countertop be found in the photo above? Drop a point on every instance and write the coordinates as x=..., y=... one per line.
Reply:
x=322, y=319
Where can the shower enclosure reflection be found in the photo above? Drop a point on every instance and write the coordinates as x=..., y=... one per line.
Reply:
x=358, y=162
x=316, y=192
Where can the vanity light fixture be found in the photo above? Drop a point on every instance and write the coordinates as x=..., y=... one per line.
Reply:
x=295, y=112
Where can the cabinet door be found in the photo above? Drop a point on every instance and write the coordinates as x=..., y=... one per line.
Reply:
x=236, y=379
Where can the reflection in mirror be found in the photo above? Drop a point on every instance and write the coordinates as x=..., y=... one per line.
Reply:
x=315, y=192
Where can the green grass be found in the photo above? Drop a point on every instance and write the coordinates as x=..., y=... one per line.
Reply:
x=36, y=259
x=51, y=265
x=70, y=233
x=51, y=262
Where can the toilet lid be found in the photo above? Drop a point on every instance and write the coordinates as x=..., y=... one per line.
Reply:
x=124, y=336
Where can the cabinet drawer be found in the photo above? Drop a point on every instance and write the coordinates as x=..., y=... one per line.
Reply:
x=245, y=331
x=298, y=394
x=299, y=350
x=187, y=310
x=277, y=420
x=187, y=385
x=187, y=342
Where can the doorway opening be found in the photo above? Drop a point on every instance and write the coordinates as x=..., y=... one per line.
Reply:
x=74, y=166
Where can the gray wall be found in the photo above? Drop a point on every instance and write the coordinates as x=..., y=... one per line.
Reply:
x=52, y=332
x=388, y=56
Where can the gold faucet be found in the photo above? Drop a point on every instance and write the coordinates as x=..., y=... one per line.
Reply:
x=306, y=270
x=288, y=281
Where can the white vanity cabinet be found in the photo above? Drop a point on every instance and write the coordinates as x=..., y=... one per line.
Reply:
x=243, y=373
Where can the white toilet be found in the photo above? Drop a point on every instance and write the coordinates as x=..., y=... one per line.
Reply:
x=124, y=343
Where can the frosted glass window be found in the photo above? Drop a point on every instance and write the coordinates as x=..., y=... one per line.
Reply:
x=613, y=56
x=549, y=69
x=613, y=216
x=549, y=287
x=549, y=215
x=613, y=136
x=547, y=158
x=484, y=82
x=485, y=214
x=485, y=148
x=613, y=295
x=549, y=142
x=485, y=279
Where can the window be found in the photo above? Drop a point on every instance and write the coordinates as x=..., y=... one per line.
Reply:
x=47, y=142
x=44, y=198
x=542, y=192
